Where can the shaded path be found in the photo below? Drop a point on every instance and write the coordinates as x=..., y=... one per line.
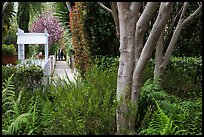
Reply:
x=61, y=69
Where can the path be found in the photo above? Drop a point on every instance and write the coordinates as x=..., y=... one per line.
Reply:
x=61, y=69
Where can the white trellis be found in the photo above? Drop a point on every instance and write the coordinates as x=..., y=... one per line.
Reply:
x=35, y=38
x=31, y=38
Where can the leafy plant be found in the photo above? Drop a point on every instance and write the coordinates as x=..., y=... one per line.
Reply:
x=163, y=113
x=13, y=119
x=182, y=77
x=8, y=49
x=160, y=123
x=100, y=28
x=80, y=40
x=61, y=12
x=87, y=107
x=29, y=78
x=7, y=17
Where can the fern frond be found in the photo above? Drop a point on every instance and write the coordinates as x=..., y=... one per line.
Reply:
x=158, y=95
x=161, y=123
x=18, y=122
x=5, y=132
x=9, y=111
x=148, y=131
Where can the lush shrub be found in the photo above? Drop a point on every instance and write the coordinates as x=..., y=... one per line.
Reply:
x=11, y=37
x=100, y=28
x=22, y=113
x=87, y=107
x=29, y=78
x=162, y=113
x=182, y=77
x=106, y=62
x=8, y=49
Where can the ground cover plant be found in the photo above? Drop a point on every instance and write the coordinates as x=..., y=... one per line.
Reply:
x=88, y=106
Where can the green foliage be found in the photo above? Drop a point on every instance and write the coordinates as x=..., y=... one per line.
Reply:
x=23, y=16
x=106, y=62
x=7, y=18
x=54, y=48
x=28, y=78
x=160, y=124
x=61, y=12
x=181, y=78
x=190, y=44
x=86, y=108
x=11, y=37
x=101, y=30
x=162, y=113
x=8, y=49
x=187, y=79
x=15, y=121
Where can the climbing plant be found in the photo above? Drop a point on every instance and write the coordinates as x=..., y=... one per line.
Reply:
x=79, y=37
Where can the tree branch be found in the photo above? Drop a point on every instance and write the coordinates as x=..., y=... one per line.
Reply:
x=185, y=5
x=115, y=17
x=171, y=28
x=159, y=24
x=142, y=25
x=104, y=7
x=69, y=6
x=177, y=32
x=192, y=15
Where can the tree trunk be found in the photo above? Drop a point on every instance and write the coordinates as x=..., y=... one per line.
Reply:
x=124, y=82
x=159, y=57
x=146, y=53
x=141, y=28
x=128, y=83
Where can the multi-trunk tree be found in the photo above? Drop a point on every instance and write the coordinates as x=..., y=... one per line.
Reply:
x=140, y=27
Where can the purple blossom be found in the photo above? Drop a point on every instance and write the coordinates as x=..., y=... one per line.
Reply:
x=49, y=22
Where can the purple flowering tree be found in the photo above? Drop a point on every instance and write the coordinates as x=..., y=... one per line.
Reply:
x=49, y=22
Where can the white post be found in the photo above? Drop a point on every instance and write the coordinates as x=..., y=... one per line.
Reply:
x=21, y=52
x=21, y=47
x=46, y=45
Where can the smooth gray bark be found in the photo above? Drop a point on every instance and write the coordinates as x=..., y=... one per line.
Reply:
x=129, y=73
x=171, y=46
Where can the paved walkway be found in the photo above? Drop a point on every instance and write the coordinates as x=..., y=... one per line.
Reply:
x=61, y=69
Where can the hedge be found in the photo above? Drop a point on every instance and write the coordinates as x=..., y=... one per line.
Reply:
x=28, y=78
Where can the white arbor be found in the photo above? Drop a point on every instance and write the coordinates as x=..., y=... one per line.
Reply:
x=31, y=38
x=36, y=38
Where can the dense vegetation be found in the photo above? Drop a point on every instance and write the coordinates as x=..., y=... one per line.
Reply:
x=89, y=106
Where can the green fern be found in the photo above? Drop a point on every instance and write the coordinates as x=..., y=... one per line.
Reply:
x=14, y=121
x=151, y=89
x=46, y=118
x=161, y=124
x=18, y=123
